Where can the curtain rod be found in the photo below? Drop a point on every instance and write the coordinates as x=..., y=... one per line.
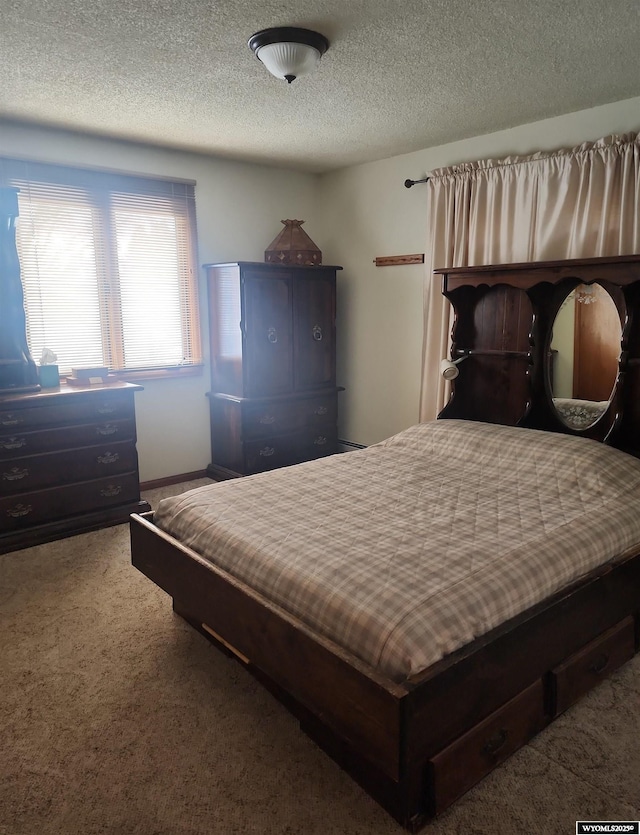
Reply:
x=409, y=183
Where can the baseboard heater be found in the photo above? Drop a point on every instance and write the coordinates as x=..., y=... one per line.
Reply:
x=349, y=446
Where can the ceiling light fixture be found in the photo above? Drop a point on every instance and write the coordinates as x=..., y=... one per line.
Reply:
x=288, y=52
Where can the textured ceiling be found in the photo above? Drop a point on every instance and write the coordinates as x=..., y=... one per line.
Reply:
x=399, y=76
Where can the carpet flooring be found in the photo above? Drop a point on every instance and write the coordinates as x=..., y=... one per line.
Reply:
x=116, y=717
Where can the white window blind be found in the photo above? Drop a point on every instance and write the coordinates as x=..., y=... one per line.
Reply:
x=108, y=267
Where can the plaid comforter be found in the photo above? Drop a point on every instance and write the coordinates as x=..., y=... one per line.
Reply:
x=407, y=550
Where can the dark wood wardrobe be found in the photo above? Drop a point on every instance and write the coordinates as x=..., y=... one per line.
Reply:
x=273, y=398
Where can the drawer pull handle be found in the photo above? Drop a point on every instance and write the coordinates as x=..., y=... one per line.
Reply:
x=321, y=410
x=107, y=429
x=13, y=443
x=11, y=420
x=106, y=409
x=320, y=440
x=111, y=490
x=267, y=451
x=266, y=420
x=15, y=474
x=317, y=333
x=600, y=664
x=108, y=458
x=19, y=510
x=272, y=335
x=493, y=745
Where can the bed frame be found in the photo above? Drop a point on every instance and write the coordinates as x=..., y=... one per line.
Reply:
x=418, y=746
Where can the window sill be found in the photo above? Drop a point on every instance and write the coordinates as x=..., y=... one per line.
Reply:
x=132, y=376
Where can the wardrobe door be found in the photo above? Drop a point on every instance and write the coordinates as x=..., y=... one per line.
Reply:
x=267, y=333
x=596, y=349
x=314, y=330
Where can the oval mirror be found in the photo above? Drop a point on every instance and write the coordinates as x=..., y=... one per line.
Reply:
x=585, y=353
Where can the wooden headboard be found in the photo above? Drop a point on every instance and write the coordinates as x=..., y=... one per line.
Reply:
x=504, y=318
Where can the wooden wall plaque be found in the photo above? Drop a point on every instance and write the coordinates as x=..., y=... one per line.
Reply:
x=396, y=260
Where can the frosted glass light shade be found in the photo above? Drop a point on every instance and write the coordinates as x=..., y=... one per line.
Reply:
x=288, y=52
x=289, y=60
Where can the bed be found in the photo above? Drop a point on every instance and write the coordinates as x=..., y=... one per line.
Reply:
x=425, y=606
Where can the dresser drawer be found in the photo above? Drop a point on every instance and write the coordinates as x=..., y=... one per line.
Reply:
x=317, y=411
x=26, y=509
x=267, y=419
x=589, y=666
x=459, y=766
x=316, y=442
x=98, y=408
x=295, y=447
x=269, y=454
x=19, y=444
x=21, y=475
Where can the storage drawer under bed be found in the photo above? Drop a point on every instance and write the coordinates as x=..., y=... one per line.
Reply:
x=591, y=665
x=462, y=764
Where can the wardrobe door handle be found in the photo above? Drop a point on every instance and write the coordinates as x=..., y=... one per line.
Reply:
x=317, y=333
x=272, y=335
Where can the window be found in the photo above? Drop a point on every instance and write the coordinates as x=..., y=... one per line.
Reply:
x=108, y=267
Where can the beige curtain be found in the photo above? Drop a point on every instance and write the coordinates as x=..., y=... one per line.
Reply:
x=576, y=203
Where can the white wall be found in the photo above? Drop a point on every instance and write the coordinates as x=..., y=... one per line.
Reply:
x=367, y=212
x=239, y=208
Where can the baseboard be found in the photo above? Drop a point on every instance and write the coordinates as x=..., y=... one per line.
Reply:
x=172, y=479
x=349, y=446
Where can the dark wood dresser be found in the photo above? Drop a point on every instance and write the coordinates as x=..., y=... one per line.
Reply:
x=68, y=462
x=274, y=399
